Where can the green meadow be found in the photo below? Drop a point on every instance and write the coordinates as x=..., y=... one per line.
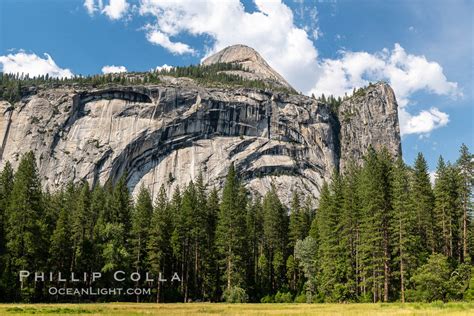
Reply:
x=117, y=309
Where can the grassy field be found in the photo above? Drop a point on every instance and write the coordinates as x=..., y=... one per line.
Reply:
x=118, y=309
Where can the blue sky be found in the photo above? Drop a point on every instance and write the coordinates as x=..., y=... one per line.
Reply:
x=423, y=48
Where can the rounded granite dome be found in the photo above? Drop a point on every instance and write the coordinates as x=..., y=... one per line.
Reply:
x=257, y=68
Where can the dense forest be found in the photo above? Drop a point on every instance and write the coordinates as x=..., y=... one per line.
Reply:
x=381, y=232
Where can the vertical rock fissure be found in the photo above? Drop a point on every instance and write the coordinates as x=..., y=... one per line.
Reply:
x=336, y=129
x=268, y=125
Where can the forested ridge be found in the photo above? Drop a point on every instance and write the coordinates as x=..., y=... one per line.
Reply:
x=14, y=86
x=381, y=232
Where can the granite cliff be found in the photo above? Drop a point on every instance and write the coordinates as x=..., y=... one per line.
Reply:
x=167, y=133
x=368, y=118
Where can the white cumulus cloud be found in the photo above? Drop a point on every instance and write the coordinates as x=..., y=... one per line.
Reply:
x=114, y=10
x=113, y=69
x=422, y=123
x=33, y=65
x=163, y=67
x=90, y=6
x=270, y=30
x=406, y=73
x=159, y=38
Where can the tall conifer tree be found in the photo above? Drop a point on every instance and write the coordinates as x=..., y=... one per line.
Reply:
x=372, y=246
x=465, y=164
x=141, y=216
x=159, y=246
x=6, y=186
x=403, y=226
x=423, y=203
x=26, y=241
x=275, y=230
x=231, y=233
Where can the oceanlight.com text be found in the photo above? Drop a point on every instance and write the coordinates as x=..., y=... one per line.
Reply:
x=90, y=291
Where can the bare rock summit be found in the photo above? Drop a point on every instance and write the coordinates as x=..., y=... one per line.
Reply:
x=257, y=68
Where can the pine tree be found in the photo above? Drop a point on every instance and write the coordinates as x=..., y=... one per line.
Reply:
x=81, y=223
x=51, y=210
x=254, y=232
x=115, y=253
x=199, y=234
x=331, y=250
x=116, y=227
x=372, y=246
x=140, y=225
x=455, y=212
x=210, y=266
x=183, y=246
x=26, y=244
x=465, y=164
x=120, y=204
x=140, y=229
x=403, y=226
x=327, y=246
x=443, y=209
x=297, y=229
x=423, y=203
x=158, y=246
x=60, y=254
x=299, y=225
x=6, y=186
x=175, y=210
x=99, y=211
x=386, y=164
x=350, y=230
x=275, y=230
x=308, y=214
x=62, y=204
x=231, y=233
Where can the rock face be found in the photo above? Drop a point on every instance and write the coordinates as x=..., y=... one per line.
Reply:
x=251, y=60
x=369, y=118
x=166, y=134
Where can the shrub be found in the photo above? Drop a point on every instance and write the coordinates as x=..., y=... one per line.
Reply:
x=267, y=299
x=432, y=279
x=318, y=298
x=367, y=298
x=300, y=298
x=458, y=283
x=469, y=294
x=235, y=295
x=283, y=297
